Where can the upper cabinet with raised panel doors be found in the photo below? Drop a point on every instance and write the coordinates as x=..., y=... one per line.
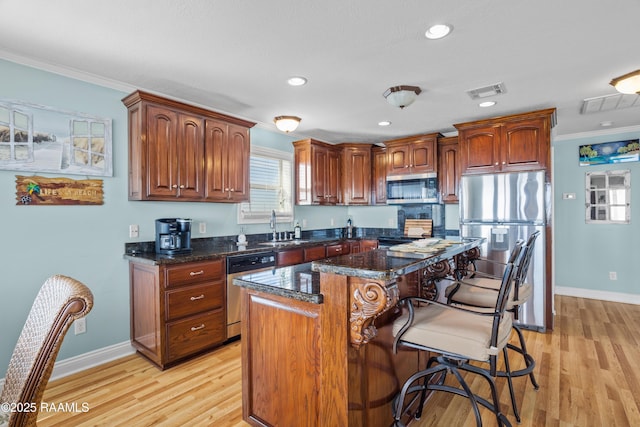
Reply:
x=412, y=155
x=173, y=155
x=506, y=144
x=317, y=173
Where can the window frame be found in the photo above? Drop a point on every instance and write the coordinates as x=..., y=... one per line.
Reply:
x=600, y=200
x=282, y=216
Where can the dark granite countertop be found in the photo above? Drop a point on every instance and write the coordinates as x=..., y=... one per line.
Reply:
x=296, y=282
x=386, y=264
x=302, y=282
x=207, y=249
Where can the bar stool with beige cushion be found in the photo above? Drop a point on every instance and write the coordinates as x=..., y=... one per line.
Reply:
x=60, y=301
x=481, y=290
x=459, y=336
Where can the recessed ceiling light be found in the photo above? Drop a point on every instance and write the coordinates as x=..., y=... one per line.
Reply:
x=437, y=31
x=606, y=123
x=296, y=81
x=384, y=123
x=487, y=104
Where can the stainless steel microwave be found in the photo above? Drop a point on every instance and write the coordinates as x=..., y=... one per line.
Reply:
x=418, y=188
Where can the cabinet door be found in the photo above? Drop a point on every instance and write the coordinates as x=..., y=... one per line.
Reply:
x=332, y=177
x=190, y=157
x=379, y=176
x=480, y=149
x=319, y=160
x=303, y=167
x=238, y=150
x=524, y=146
x=162, y=151
x=216, y=159
x=449, y=169
x=422, y=156
x=356, y=177
x=397, y=159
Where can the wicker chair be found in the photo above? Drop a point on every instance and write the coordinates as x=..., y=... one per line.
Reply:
x=60, y=301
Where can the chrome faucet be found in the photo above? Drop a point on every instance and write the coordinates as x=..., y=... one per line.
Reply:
x=272, y=224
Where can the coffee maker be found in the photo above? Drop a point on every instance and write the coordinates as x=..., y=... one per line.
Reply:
x=173, y=236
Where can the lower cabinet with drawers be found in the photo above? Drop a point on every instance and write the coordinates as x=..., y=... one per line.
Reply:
x=177, y=310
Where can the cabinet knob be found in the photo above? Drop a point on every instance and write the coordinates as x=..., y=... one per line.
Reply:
x=181, y=185
x=174, y=186
x=197, y=328
x=232, y=190
x=504, y=163
x=496, y=163
x=197, y=298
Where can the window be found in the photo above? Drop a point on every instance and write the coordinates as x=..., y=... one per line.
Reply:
x=16, y=136
x=88, y=143
x=270, y=176
x=608, y=197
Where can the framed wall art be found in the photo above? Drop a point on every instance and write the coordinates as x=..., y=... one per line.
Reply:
x=37, y=138
x=609, y=152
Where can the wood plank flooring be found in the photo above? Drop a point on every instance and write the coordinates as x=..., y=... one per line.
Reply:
x=587, y=369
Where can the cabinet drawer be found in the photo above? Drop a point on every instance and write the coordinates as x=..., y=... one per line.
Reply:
x=314, y=253
x=195, y=272
x=291, y=257
x=194, y=299
x=192, y=334
x=335, y=250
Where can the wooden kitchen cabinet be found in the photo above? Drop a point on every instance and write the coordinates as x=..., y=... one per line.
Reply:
x=227, y=178
x=356, y=173
x=338, y=249
x=317, y=173
x=368, y=245
x=313, y=253
x=513, y=143
x=448, y=168
x=412, y=155
x=168, y=156
x=177, y=310
x=378, y=175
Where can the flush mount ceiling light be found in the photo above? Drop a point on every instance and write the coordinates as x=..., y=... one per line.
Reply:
x=401, y=96
x=629, y=83
x=487, y=104
x=297, y=81
x=287, y=123
x=384, y=123
x=437, y=31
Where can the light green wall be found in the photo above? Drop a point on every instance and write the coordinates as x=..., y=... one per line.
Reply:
x=586, y=253
x=87, y=242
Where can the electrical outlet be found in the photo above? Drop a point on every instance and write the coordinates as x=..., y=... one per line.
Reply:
x=304, y=223
x=134, y=230
x=391, y=222
x=333, y=222
x=202, y=227
x=613, y=275
x=80, y=326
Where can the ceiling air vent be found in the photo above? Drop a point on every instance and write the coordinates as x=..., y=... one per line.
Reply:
x=616, y=101
x=487, y=91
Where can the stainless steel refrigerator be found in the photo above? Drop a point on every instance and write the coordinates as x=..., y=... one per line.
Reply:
x=504, y=208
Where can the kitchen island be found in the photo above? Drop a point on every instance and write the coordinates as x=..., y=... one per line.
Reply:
x=317, y=342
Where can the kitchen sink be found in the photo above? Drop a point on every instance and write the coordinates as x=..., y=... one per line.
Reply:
x=283, y=243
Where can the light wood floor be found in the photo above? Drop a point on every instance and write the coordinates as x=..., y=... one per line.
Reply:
x=587, y=368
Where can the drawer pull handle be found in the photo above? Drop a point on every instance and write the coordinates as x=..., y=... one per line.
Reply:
x=197, y=298
x=196, y=273
x=197, y=328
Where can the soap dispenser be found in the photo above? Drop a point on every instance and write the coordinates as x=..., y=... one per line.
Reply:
x=349, y=229
x=297, y=231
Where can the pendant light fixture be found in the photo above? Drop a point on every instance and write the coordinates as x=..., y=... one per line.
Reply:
x=287, y=123
x=629, y=83
x=401, y=96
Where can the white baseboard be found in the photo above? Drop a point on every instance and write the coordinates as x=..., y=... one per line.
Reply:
x=69, y=366
x=595, y=294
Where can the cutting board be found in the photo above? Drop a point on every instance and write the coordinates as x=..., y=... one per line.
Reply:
x=418, y=227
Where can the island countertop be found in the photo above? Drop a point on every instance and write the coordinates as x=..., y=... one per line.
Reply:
x=302, y=282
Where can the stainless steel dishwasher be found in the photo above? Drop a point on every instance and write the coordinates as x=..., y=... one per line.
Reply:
x=239, y=265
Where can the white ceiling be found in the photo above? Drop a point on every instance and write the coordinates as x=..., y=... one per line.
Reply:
x=235, y=56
